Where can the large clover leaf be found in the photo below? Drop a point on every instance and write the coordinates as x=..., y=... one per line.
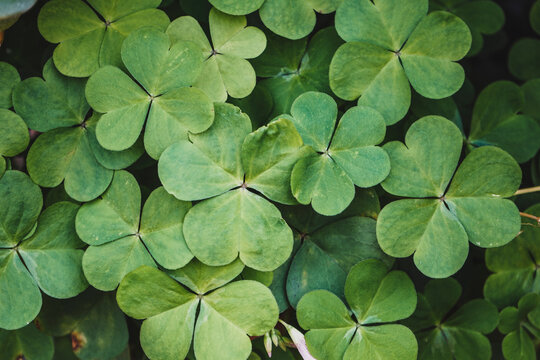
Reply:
x=516, y=265
x=293, y=67
x=225, y=69
x=376, y=297
x=121, y=238
x=484, y=17
x=165, y=102
x=344, y=155
x=225, y=165
x=449, y=208
x=68, y=150
x=9, y=77
x=386, y=49
x=520, y=325
x=459, y=335
x=91, y=33
x=14, y=136
x=211, y=313
x=26, y=343
x=496, y=120
x=94, y=323
x=46, y=257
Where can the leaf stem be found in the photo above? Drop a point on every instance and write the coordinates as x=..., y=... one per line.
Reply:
x=527, y=190
x=530, y=216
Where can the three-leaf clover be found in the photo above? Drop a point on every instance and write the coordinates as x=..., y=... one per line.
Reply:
x=388, y=49
x=520, y=325
x=293, y=19
x=515, y=265
x=459, y=335
x=292, y=67
x=67, y=150
x=121, y=238
x=224, y=166
x=45, y=256
x=26, y=343
x=90, y=33
x=377, y=297
x=159, y=98
x=218, y=316
x=225, y=69
x=343, y=155
x=449, y=207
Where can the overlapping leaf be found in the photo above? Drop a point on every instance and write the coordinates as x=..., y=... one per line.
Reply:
x=448, y=207
x=26, y=343
x=215, y=313
x=121, y=239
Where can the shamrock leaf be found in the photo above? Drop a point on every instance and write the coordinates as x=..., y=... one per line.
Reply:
x=515, y=265
x=26, y=343
x=531, y=92
x=46, y=257
x=223, y=167
x=459, y=335
x=376, y=297
x=14, y=136
x=9, y=77
x=293, y=67
x=524, y=55
x=484, y=17
x=67, y=150
x=121, y=239
x=211, y=313
x=95, y=325
x=291, y=19
x=165, y=102
x=387, y=49
x=343, y=156
x=520, y=325
x=496, y=120
x=11, y=11
x=225, y=68
x=449, y=207
x=90, y=34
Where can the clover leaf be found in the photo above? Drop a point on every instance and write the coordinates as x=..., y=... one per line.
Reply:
x=9, y=77
x=387, y=49
x=520, y=325
x=531, y=92
x=343, y=156
x=484, y=17
x=443, y=333
x=515, y=265
x=14, y=136
x=225, y=68
x=67, y=150
x=524, y=55
x=213, y=312
x=121, y=238
x=224, y=166
x=46, y=256
x=96, y=327
x=165, y=102
x=26, y=343
x=90, y=34
x=449, y=207
x=11, y=11
x=292, y=67
x=496, y=120
x=377, y=297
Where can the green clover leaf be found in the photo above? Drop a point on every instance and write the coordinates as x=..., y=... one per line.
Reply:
x=14, y=137
x=121, y=239
x=387, y=49
x=376, y=297
x=484, y=17
x=459, y=335
x=531, y=92
x=292, y=67
x=90, y=34
x=449, y=207
x=67, y=150
x=344, y=155
x=9, y=77
x=11, y=11
x=223, y=167
x=215, y=313
x=225, y=69
x=96, y=327
x=26, y=343
x=46, y=256
x=515, y=265
x=166, y=102
x=524, y=55
x=496, y=120
x=520, y=325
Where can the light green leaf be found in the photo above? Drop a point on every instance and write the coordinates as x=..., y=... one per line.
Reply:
x=235, y=7
x=14, y=136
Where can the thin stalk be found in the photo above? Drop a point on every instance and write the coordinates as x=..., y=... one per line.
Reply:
x=536, y=218
x=527, y=190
